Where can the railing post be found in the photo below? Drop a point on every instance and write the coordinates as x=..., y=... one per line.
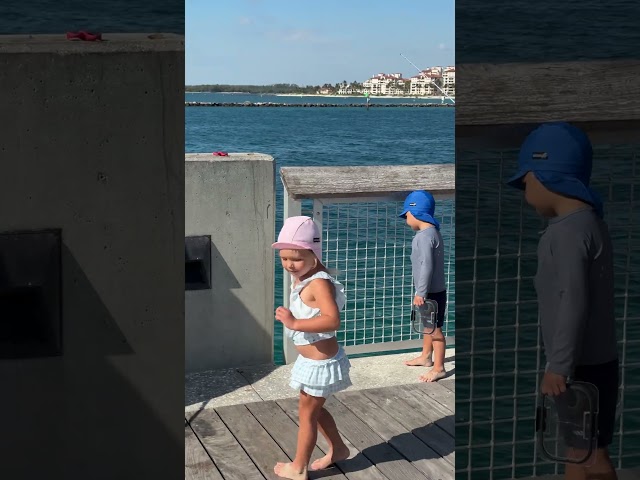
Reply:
x=317, y=215
x=292, y=208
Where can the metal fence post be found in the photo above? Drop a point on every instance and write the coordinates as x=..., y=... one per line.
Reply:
x=292, y=208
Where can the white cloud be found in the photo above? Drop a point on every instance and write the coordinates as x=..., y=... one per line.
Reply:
x=245, y=21
x=298, y=35
x=442, y=46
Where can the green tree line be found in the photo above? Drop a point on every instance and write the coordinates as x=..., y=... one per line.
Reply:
x=263, y=89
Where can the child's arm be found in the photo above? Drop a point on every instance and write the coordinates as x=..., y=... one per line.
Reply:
x=422, y=263
x=571, y=254
x=329, y=318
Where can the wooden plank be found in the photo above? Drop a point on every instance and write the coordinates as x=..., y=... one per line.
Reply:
x=262, y=449
x=416, y=417
x=386, y=458
x=285, y=432
x=541, y=92
x=440, y=414
x=437, y=392
x=232, y=461
x=421, y=456
x=197, y=464
x=347, y=182
x=479, y=137
x=448, y=383
x=357, y=467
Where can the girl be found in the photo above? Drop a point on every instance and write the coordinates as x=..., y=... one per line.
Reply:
x=322, y=368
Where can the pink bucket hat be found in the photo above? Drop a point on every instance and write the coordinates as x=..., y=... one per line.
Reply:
x=300, y=233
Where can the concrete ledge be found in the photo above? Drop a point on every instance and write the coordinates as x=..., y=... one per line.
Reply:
x=232, y=157
x=111, y=43
x=219, y=388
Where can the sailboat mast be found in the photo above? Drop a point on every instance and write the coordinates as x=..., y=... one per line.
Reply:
x=432, y=82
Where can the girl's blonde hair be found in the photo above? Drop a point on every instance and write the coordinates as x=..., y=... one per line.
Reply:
x=331, y=271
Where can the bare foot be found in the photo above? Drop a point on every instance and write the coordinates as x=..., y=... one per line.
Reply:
x=433, y=375
x=330, y=458
x=287, y=470
x=420, y=361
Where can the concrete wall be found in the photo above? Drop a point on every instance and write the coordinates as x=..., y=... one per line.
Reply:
x=93, y=144
x=232, y=199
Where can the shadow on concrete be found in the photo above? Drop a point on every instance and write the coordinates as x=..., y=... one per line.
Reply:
x=202, y=336
x=84, y=408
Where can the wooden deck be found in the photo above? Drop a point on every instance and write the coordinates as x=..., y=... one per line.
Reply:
x=394, y=433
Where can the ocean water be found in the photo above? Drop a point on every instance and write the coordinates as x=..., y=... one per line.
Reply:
x=495, y=31
x=298, y=99
x=327, y=137
x=105, y=16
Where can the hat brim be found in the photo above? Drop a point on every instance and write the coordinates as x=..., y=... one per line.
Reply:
x=316, y=248
x=424, y=217
x=570, y=187
x=290, y=246
x=516, y=180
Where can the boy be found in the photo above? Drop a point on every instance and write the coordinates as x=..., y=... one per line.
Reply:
x=574, y=281
x=427, y=264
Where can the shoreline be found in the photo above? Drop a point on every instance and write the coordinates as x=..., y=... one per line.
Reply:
x=328, y=96
x=321, y=105
x=372, y=97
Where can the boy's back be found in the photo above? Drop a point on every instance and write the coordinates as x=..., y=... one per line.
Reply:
x=427, y=262
x=575, y=286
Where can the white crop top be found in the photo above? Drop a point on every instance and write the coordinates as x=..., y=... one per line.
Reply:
x=300, y=310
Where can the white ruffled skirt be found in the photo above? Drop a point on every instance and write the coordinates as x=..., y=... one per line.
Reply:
x=321, y=378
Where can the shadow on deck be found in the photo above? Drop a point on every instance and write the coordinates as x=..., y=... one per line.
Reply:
x=403, y=432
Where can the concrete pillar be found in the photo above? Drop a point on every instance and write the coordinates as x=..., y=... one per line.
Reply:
x=92, y=145
x=232, y=199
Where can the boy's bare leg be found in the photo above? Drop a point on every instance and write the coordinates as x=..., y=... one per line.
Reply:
x=439, y=347
x=337, y=448
x=601, y=469
x=574, y=472
x=424, y=359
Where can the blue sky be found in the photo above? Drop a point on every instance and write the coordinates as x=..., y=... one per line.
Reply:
x=261, y=42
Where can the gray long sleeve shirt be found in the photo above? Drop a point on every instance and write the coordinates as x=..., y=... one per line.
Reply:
x=427, y=262
x=575, y=287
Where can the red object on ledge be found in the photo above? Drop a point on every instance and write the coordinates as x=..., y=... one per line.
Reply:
x=82, y=35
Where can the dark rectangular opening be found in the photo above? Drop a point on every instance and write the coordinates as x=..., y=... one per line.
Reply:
x=30, y=294
x=197, y=262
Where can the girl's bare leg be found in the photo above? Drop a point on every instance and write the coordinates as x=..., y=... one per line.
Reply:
x=337, y=448
x=308, y=412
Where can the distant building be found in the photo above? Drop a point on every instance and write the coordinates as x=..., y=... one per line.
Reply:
x=426, y=83
x=349, y=89
x=449, y=81
x=386, y=84
x=432, y=81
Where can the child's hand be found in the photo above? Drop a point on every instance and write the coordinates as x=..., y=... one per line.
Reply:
x=284, y=315
x=553, y=384
x=418, y=301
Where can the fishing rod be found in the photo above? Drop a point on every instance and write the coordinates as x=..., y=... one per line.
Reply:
x=432, y=82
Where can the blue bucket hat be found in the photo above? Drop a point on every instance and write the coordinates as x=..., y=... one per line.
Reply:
x=560, y=156
x=422, y=206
